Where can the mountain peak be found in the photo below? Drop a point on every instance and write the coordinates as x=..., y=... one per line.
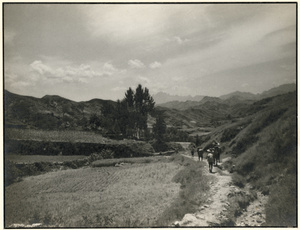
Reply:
x=162, y=97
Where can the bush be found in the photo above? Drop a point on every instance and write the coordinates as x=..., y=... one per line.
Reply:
x=160, y=146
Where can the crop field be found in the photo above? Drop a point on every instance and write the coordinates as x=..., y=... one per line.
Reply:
x=27, y=159
x=61, y=136
x=127, y=196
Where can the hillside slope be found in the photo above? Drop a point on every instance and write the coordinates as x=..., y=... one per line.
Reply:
x=49, y=112
x=263, y=153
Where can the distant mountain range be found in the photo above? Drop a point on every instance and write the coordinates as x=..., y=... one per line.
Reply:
x=185, y=102
x=162, y=97
x=55, y=112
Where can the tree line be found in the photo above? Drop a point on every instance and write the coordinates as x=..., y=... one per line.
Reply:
x=128, y=117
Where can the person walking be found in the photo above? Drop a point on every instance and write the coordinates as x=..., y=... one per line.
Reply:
x=210, y=159
x=192, y=151
x=200, y=154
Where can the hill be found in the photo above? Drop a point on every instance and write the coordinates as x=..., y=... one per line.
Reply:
x=54, y=112
x=230, y=99
x=283, y=89
x=49, y=112
x=260, y=150
x=240, y=95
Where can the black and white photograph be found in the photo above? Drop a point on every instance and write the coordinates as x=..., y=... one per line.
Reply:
x=149, y=114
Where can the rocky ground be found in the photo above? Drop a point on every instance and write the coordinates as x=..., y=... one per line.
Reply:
x=214, y=212
x=255, y=213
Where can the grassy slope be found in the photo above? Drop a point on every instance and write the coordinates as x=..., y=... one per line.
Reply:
x=263, y=147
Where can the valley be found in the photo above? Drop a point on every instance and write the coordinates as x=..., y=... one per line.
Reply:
x=50, y=156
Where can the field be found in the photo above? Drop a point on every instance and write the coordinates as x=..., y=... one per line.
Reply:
x=54, y=136
x=28, y=159
x=127, y=196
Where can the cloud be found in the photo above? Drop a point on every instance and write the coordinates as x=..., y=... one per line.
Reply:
x=177, y=40
x=109, y=68
x=66, y=74
x=118, y=89
x=21, y=84
x=41, y=68
x=136, y=64
x=143, y=79
x=124, y=22
x=155, y=65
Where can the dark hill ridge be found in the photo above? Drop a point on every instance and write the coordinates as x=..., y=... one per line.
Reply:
x=49, y=112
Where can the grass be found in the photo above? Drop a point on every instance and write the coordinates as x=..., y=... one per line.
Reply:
x=281, y=210
x=266, y=158
x=193, y=193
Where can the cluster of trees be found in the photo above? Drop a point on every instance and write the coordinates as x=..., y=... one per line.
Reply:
x=129, y=117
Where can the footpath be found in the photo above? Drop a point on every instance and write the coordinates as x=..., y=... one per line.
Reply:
x=213, y=212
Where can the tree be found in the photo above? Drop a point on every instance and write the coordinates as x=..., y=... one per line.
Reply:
x=134, y=110
x=159, y=130
x=95, y=121
x=197, y=142
x=130, y=115
x=109, y=119
x=129, y=98
x=144, y=105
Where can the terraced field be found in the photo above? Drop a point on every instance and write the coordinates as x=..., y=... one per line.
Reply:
x=27, y=159
x=127, y=196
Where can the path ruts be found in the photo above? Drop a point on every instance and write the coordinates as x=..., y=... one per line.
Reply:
x=212, y=212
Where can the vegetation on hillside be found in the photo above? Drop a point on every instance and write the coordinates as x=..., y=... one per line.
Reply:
x=263, y=148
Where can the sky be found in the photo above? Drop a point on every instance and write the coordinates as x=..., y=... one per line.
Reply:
x=86, y=51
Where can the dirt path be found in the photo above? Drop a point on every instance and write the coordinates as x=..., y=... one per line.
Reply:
x=213, y=213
